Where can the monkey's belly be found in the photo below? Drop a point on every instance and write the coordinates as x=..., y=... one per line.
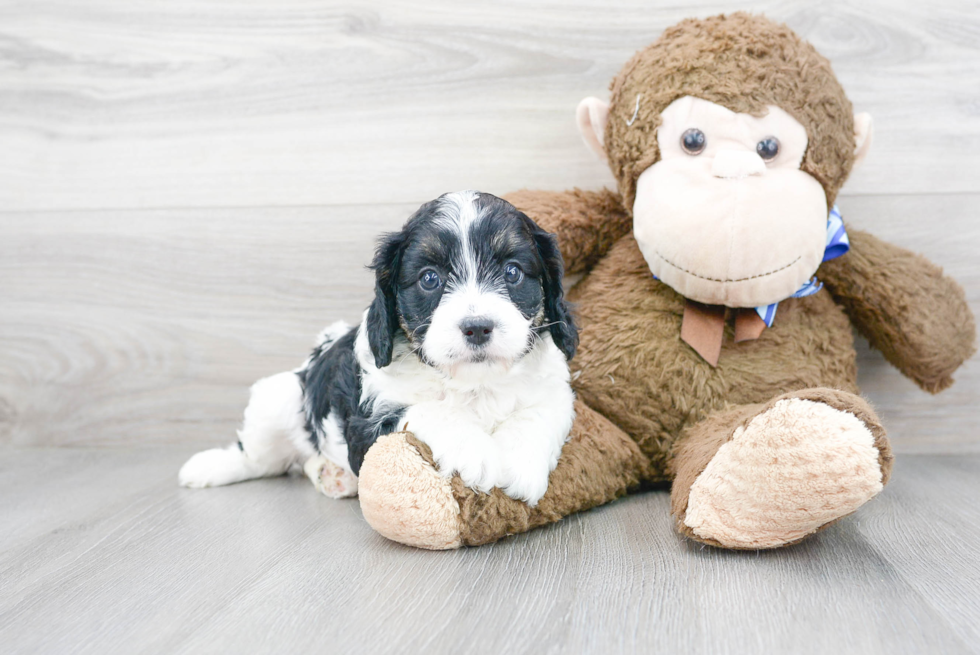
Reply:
x=632, y=366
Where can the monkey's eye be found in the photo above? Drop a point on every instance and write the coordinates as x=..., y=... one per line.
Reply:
x=693, y=141
x=513, y=274
x=768, y=148
x=429, y=280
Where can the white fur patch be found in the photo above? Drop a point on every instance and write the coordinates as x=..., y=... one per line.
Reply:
x=273, y=438
x=459, y=213
x=334, y=445
x=445, y=345
x=495, y=426
x=331, y=333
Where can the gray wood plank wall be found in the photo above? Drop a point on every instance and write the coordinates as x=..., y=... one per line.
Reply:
x=189, y=190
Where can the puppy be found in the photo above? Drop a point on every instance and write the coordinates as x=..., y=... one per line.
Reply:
x=465, y=345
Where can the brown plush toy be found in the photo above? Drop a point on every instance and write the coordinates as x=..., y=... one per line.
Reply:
x=709, y=354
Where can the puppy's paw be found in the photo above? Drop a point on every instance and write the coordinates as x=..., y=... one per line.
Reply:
x=330, y=479
x=213, y=468
x=476, y=459
x=458, y=445
x=527, y=481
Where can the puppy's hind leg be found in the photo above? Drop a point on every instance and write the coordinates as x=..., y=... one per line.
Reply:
x=221, y=466
x=273, y=438
x=330, y=479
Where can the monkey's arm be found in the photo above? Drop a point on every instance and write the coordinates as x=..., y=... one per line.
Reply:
x=587, y=222
x=904, y=305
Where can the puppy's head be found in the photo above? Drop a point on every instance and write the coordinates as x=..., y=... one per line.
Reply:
x=469, y=280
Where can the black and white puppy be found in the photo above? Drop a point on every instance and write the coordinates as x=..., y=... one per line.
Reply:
x=465, y=344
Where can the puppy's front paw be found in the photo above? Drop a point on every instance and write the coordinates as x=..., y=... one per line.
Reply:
x=527, y=481
x=475, y=458
x=458, y=445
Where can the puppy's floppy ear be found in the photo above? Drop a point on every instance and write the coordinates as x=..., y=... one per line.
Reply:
x=382, y=316
x=557, y=312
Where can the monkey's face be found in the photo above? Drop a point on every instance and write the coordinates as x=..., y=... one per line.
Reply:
x=726, y=216
x=728, y=136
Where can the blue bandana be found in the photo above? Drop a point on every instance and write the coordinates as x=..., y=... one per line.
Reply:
x=837, y=245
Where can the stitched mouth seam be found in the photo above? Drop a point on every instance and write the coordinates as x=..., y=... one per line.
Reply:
x=713, y=279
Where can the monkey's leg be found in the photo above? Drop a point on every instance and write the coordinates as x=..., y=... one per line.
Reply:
x=768, y=475
x=406, y=500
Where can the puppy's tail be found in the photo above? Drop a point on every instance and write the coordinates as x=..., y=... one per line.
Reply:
x=330, y=334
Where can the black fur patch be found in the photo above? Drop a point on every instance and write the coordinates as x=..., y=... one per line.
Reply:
x=332, y=384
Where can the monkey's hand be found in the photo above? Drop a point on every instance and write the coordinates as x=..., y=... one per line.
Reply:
x=587, y=223
x=904, y=305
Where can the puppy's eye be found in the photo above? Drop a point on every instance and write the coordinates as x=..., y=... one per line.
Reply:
x=693, y=141
x=430, y=280
x=768, y=148
x=513, y=274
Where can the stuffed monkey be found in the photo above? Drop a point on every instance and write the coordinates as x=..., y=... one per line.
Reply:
x=715, y=310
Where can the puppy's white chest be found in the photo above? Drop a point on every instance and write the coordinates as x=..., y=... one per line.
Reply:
x=486, y=408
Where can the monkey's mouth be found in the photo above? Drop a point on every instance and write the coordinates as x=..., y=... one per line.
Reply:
x=715, y=279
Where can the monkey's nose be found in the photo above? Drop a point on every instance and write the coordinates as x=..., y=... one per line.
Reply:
x=477, y=330
x=733, y=164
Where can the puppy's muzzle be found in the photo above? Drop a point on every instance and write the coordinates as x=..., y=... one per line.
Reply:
x=477, y=330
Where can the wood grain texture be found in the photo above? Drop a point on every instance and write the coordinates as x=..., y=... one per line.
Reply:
x=118, y=558
x=948, y=538
x=212, y=104
x=189, y=191
x=147, y=326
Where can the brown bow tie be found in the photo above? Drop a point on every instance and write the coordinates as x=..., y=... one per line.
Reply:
x=703, y=328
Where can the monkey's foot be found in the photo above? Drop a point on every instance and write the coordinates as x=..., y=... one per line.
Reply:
x=795, y=466
x=405, y=499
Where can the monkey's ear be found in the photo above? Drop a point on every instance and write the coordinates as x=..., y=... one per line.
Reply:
x=863, y=131
x=591, y=117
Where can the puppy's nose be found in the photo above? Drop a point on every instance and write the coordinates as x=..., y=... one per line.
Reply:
x=477, y=330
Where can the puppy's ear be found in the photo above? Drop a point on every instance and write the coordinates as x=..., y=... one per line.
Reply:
x=382, y=316
x=557, y=312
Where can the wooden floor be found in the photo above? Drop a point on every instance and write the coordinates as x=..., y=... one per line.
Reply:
x=102, y=554
x=189, y=191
